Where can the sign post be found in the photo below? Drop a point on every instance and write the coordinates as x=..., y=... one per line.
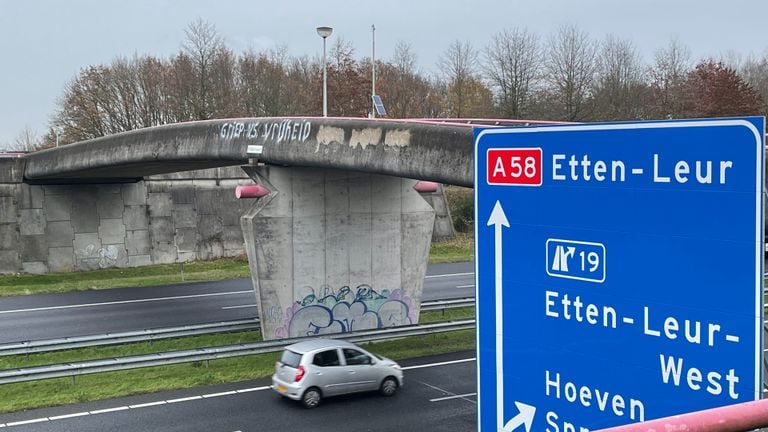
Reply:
x=619, y=271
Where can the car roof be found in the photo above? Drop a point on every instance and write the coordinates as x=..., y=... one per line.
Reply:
x=320, y=343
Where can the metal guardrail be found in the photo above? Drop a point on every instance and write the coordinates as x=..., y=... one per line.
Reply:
x=206, y=354
x=447, y=304
x=60, y=344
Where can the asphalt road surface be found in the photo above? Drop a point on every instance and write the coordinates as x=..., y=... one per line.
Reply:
x=50, y=316
x=439, y=395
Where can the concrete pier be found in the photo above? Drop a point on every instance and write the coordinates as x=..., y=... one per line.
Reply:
x=336, y=251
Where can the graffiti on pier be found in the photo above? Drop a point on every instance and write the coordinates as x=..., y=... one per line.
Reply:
x=326, y=311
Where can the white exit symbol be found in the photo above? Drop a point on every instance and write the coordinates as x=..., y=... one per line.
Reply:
x=578, y=260
x=562, y=255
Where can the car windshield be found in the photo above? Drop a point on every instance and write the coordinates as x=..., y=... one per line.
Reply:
x=290, y=358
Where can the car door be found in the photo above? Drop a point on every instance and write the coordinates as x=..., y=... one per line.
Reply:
x=361, y=375
x=327, y=372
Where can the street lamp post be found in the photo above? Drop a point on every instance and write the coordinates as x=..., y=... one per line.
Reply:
x=373, y=70
x=324, y=32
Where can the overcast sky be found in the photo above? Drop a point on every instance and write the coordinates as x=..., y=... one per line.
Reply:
x=44, y=43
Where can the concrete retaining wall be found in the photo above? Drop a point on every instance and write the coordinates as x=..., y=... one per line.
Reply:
x=163, y=219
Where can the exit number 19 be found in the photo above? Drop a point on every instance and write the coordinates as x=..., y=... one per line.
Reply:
x=514, y=167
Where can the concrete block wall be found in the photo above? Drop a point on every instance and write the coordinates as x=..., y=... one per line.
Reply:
x=163, y=219
x=443, y=221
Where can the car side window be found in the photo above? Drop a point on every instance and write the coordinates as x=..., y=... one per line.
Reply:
x=326, y=358
x=355, y=357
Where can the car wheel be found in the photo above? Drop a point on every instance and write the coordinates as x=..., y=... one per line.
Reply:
x=388, y=386
x=311, y=398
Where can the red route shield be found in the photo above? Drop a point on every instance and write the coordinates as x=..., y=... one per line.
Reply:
x=514, y=167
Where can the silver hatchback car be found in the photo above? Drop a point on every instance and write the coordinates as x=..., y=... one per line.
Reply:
x=311, y=370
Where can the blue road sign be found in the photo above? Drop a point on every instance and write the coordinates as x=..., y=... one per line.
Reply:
x=619, y=271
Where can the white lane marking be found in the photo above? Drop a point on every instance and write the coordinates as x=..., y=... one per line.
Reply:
x=26, y=422
x=440, y=364
x=66, y=416
x=449, y=275
x=145, y=405
x=108, y=410
x=453, y=397
x=253, y=389
x=238, y=307
x=186, y=399
x=83, y=305
x=211, y=395
x=465, y=286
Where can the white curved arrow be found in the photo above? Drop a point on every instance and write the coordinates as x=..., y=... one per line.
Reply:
x=524, y=417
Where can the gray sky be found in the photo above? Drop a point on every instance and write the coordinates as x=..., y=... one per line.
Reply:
x=44, y=43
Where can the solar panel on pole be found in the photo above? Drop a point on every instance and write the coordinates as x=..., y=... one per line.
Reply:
x=379, y=105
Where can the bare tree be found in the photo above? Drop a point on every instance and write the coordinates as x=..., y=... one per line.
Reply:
x=513, y=63
x=26, y=140
x=458, y=65
x=349, y=82
x=404, y=59
x=668, y=75
x=570, y=71
x=620, y=86
x=222, y=96
x=403, y=90
x=303, y=86
x=181, y=89
x=202, y=45
x=755, y=72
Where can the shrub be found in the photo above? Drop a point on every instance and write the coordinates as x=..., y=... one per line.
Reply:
x=462, y=206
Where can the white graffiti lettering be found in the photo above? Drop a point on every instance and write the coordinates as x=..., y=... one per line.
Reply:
x=279, y=131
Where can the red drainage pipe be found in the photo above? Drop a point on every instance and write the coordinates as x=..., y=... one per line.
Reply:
x=425, y=186
x=732, y=418
x=251, y=191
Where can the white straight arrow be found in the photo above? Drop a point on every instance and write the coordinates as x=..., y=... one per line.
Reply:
x=498, y=219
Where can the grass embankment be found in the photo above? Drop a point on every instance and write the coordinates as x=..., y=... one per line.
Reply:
x=163, y=274
x=60, y=391
x=459, y=249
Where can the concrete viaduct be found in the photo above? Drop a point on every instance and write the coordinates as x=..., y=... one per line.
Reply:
x=337, y=242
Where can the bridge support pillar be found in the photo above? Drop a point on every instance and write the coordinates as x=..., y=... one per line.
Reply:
x=335, y=251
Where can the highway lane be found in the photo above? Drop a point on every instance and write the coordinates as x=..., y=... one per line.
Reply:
x=124, y=309
x=439, y=395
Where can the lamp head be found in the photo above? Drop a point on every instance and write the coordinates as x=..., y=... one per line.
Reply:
x=324, y=32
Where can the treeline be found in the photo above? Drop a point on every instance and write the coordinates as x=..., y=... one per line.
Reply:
x=566, y=76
